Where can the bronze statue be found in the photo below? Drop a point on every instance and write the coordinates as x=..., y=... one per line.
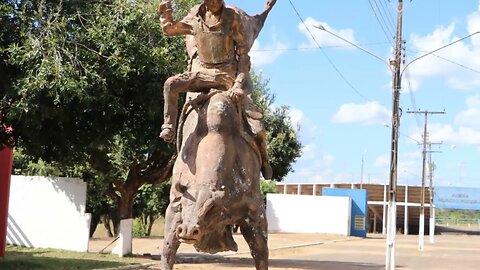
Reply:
x=215, y=180
x=218, y=41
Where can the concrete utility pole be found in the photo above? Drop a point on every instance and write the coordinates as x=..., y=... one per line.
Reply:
x=431, y=168
x=392, y=187
x=421, y=226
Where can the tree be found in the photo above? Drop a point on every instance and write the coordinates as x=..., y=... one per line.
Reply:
x=267, y=186
x=88, y=88
x=151, y=203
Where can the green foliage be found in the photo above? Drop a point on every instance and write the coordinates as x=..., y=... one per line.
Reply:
x=150, y=203
x=284, y=146
x=267, y=186
x=91, y=77
x=82, y=86
x=457, y=214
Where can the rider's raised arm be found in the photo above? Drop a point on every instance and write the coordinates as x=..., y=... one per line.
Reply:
x=171, y=27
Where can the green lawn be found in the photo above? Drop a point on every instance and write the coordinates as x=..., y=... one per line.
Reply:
x=21, y=258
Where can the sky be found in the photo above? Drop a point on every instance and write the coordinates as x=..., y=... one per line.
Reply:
x=340, y=96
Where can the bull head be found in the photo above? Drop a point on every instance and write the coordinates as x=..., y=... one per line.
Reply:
x=196, y=203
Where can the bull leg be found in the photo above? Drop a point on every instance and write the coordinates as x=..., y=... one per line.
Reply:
x=255, y=234
x=171, y=242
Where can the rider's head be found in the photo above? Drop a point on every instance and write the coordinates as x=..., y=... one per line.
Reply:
x=214, y=6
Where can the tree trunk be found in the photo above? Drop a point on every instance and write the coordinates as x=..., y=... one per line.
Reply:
x=125, y=202
x=106, y=224
x=151, y=220
x=93, y=223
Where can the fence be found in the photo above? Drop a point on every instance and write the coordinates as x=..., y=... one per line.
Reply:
x=458, y=222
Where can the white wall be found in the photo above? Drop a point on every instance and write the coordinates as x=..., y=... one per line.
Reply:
x=308, y=214
x=48, y=213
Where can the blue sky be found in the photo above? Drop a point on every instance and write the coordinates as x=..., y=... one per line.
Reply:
x=341, y=97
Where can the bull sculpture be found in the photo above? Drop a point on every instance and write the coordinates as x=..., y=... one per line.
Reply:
x=215, y=185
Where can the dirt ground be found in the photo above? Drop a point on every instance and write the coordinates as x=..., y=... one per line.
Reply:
x=322, y=252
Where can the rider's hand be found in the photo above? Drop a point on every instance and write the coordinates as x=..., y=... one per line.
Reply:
x=270, y=3
x=235, y=93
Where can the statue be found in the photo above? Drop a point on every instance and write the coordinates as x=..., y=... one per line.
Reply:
x=220, y=137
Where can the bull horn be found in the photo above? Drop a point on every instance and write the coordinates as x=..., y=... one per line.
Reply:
x=180, y=188
x=205, y=208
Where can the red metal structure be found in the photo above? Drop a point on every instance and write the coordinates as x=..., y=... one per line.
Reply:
x=6, y=157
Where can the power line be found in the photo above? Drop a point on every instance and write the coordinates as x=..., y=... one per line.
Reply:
x=389, y=35
x=412, y=96
x=390, y=15
x=450, y=61
x=325, y=54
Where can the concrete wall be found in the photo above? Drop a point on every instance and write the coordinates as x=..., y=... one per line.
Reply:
x=308, y=214
x=48, y=213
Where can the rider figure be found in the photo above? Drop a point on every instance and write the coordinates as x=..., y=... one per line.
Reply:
x=219, y=59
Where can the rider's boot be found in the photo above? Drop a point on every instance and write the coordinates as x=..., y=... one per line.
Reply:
x=266, y=169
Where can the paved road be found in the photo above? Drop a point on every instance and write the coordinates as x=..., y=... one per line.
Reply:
x=322, y=252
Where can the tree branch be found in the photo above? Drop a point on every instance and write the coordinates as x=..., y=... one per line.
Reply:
x=159, y=175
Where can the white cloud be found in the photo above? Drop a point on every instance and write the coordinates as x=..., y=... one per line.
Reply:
x=469, y=117
x=323, y=38
x=309, y=151
x=319, y=169
x=368, y=114
x=473, y=22
x=464, y=131
x=456, y=64
x=382, y=161
x=261, y=55
x=308, y=128
x=450, y=135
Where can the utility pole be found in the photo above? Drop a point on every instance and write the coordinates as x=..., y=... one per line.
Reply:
x=392, y=187
x=421, y=226
x=361, y=171
x=431, y=168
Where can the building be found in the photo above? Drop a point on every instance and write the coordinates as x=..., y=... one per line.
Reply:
x=408, y=203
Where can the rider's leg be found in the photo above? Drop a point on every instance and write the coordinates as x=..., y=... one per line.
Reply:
x=172, y=87
x=186, y=82
x=254, y=119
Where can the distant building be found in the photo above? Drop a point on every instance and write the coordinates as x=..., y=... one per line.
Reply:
x=408, y=203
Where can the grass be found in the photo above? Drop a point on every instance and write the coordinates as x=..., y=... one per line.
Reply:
x=21, y=258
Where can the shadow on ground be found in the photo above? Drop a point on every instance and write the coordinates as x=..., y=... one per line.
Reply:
x=229, y=262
